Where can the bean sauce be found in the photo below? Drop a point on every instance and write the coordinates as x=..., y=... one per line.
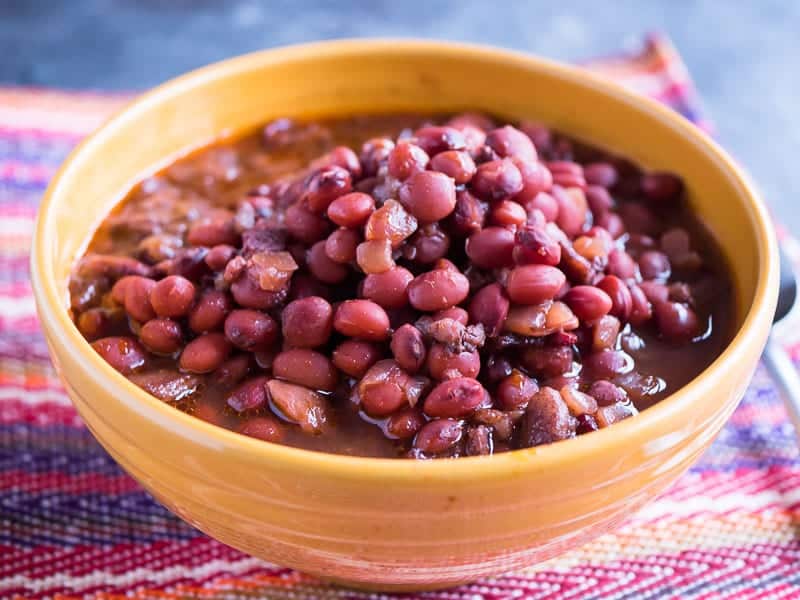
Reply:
x=405, y=286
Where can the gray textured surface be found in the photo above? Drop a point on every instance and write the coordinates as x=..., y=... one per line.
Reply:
x=743, y=55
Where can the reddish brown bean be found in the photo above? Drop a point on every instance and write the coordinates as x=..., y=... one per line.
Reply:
x=375, y=256
x=509, y=141
x=94, y=323
x=173, y=296
x=612, y=223
x=427, y=245
x=572, y=209
x=434, y=139
x=344, y=157
x=250, y=330
x=249, y=395
x=212, y=232
x=307, y=322
x=125, y=354
x=340, y=246
x=654, y=265
x=305, y=226
x=533, y=245
x=534, y=284
x=661, y=187
x=621, y=301
x=676, y=322
x=489, y=307
x=264, y=428
x=468, y=215
x=324, y=186
x=606, y=393
x=547, y=362
x=567, y=174
x=438, y=436
x=599, y=200
x=601, y=173
x=233, y=370
x=445, y=364
x=455, y=398
x=655, y=291
x=437, y=290
x=535, y=179
x=161, y=336
x=219, y=256
x=589, y=303
x=374, y=153
x=429, y=196
x=351, y=210
x=210, y=311
x=205, y=353
x=608, y=364
x=361, y=319
x=456, y=164
x=120, y=287
x=514, y=391
x=641, y=309
x=621, y=264
x=307, y=368
x=389, y=289
x=322, y=267
x=249, y=294
x=355, y=357
x=408, y=348
x=406, y=159
x=497, y=180
x=386, y=388
x=456, y=313
x=507, y=213
x=544, y=203
x=491, y=248
x=404, y=424
x=547, y=419
x=137, y=299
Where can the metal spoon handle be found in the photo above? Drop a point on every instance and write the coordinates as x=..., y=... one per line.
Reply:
x=783, y=370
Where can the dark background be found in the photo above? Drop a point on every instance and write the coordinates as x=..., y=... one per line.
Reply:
x=744, y=56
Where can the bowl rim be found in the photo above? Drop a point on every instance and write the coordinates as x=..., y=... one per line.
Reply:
x=52, y=309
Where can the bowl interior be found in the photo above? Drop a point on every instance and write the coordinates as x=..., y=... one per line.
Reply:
x=367, y=77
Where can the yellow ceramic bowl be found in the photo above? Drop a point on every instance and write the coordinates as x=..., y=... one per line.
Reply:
x=398, y=524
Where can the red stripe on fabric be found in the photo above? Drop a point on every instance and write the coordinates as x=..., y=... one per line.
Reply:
x=41, y=414
x=55, y=481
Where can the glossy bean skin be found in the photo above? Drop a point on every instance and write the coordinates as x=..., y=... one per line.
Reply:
x=362, y=319
x=173, y=296
x=307, y=368
x=250, y=330
x=210, y=311
x=205, y=353
x=137, y=299
x=589, y=303
x=438, y=436
x=437, y=290
x=355, y=357
x=534, y=284
x=497, y=180
x=161, y=336
x=307, y=322
x=445, y=364
x=125, y=354
x=491, y=248
x=340, y=246
x=264, y=428
x=408, y=348
x=455, y=398
x=405, y=159
x=389, y=289
x=429, y=196
x=455, y=164
x=489, y=307
x=351, y=210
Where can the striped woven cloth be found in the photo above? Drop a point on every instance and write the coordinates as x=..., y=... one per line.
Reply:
x=73, y=524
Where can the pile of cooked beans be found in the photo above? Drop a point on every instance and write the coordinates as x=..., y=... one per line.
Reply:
x=405, y=286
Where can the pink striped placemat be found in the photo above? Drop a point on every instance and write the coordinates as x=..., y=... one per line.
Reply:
x=73, y=524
